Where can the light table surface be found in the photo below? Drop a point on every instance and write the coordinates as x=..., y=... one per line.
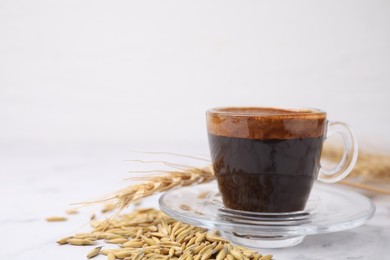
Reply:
x=41, y=181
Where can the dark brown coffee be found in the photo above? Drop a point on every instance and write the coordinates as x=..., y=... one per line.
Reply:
x=265, y=175
x=265, y=159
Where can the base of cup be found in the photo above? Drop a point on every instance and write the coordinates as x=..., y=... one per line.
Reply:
x=260, y=242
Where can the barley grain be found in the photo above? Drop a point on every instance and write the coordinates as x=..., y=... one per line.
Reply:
x=158, y=234
x=80, y=242
x=71, y=211
x=94, y=252
x=133, y=244
x=236, y=254
x=185, y=207
x=108, y=207
x=200, y=237
x=111, y=256
x=222, y=254
x=64, y=240
x=229, y=257
x=213, y=238
x=55, y=219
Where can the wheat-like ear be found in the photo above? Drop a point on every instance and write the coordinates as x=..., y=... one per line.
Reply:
x=155, y=184
x=371, y=172
x=370, y=166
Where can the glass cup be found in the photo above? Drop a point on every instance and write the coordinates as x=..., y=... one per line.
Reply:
x=266, y=159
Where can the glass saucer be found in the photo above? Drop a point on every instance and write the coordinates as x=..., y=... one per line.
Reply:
x=240, y=216
x=329, y=209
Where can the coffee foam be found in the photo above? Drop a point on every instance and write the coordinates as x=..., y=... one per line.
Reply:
x=266, y=123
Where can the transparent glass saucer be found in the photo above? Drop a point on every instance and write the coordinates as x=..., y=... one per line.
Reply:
x=329, y=209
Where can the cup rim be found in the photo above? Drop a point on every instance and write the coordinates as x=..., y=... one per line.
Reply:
x=239, y=111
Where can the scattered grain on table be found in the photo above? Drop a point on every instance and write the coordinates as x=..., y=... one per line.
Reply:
x=150, y=234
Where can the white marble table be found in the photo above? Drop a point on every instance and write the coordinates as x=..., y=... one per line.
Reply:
x=42, y=180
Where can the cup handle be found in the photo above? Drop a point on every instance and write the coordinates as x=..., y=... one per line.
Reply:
x=350, y=154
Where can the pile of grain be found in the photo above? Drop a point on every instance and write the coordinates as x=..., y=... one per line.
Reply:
x=150, y=234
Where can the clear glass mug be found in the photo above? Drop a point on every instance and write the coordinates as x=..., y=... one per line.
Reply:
x=267, y=159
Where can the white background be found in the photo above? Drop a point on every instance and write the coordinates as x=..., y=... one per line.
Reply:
x=83, y=83
x=146, y=71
